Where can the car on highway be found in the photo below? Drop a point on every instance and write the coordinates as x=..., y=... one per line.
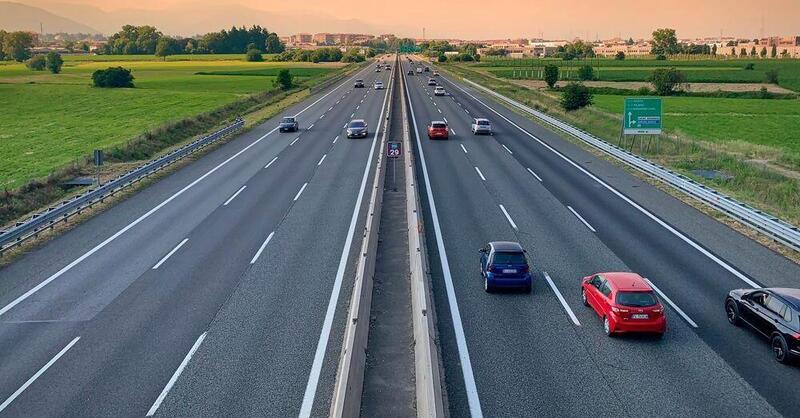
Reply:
x=378, y=69
x=438, y=129
x=288, y=124
x=439, y=91
x=431, y=82
x=436, y=74
x=410, y=72
x=419, y=70
x=772, y=312
x=357, y=128
x=625, y=302
x=481, y=126
x=504, y=265
x=358, y=84
x=427, y=69
x=378, y=85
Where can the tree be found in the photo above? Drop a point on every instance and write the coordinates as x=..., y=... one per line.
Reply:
x=3, y=35
x=113, y=77
x=167, y=46
x=352, y=55
x=550, y=75
x=629, y=42
x=763, y=52
x=284, y=79
x=85, y=47
x=665, y=42
x=771, y=76
x=274, y=44
x=17, y=45
x=586, y=72
x=774, y=52
x=665, y=81
x=254, y=55
x=714, y=49
x=575, y=96
x=753, y=51
x=36, y=63
x=749, y=66
x=441, y=58
x=619, y=56
x=743, y=52
x=54, y=62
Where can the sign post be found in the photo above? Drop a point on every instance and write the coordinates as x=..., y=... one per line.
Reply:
x=393, y=151
x=641, y=116
x=98, y=161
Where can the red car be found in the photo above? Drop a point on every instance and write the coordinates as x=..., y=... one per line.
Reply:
x=438, y=129
x=625, y=302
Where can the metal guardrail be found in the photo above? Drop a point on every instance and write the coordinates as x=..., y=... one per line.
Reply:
x=60, y=212
x=762, y=222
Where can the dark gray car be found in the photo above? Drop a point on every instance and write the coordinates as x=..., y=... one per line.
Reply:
x=357, y=128
x=288, y=124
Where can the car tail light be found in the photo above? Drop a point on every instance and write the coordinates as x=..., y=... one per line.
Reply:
x=524, y=269
x=796, y=336
x=658, y=309
x=616, y=309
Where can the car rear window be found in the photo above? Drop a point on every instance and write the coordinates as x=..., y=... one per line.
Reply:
x=356, y=124
x=439, y=125
x=509, y=258
x=483, y=122
x=287, y=120
x=640, y=299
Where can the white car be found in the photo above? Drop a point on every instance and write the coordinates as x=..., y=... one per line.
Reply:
x=481, y=126
x=419, y=70
x=378, y=85
x=439, y=91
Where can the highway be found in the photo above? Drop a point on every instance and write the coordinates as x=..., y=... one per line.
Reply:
x=218, y=290
x=545, y=354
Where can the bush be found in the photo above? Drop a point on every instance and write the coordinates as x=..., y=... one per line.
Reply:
x=665, y=81
x=771, y=76
x=37, y=63
x=113, y=77
x=620, y=56
x=586, y=72
x=550, y=75
x=749, y=66
x=466, y=57
x=661, y=57
x=575, y=96
x=254, y=55
x=284, y=79
x=644, y=91
x=441, y=58
x=54, y=62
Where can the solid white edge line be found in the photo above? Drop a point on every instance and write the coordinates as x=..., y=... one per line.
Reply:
x=297, y=196
x=321, y=159
x=169, y=254
x=261, y=248
x=511, y=221
x=480, y=174
x=325, y=333
x=535, y=175
x=458, y=328
x=619, y=194
x=230, y=199
x=270, y=163
x=41, y=371
x=464, y=148
x=672, y=304
x=577, y=215
x=175, y=375
x=509, y=151
x=561, y=299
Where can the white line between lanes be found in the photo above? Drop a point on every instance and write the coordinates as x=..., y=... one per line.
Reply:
x=453, y=131
x=41, y=371
x=310, y=126
x=230, y=199
x=297, y=196
x=480, y=174
x=175, y=375
x=351, y=116
x=462, y=147
x=672, y=304
x=444, y=119
x=458, y=327
x=561, y=299
x=506, y=148
x=321, y=159
x=270, y=163
x=577, y=215
x=511, y=221
x=535, y=175
x=169, y=254
x=261, y=248
x=337, y=138
x=295, y=140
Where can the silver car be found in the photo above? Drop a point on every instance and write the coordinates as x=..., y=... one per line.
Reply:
x=481, y=126
x=378, y=85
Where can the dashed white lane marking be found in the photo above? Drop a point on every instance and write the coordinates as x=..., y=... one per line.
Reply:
x=261, y=248
x=453, y=131
x=337, y=138
x=176, y=375
x=311, y=126
x=351, y=115
x=561, y=299
x=270, y=163
x=230, y=199
x=464, y=148
x=511, y=221
x=439, y=110
x=169, y=254
x=295, y=140
x=577, y=215
x=444, y=119
x=509, y=151
x=480, y=174
x=535, y=175
x=297, y=196
x=321, y=160
x=672, y=304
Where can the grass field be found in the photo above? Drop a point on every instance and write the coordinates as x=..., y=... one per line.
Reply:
x=53, y=120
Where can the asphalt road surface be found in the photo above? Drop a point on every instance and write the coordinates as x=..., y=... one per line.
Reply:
x=216, y=291
x=545, y=354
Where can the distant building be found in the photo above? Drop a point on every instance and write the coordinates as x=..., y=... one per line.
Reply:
x=610, y=49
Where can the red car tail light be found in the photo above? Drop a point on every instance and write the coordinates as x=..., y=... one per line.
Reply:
x=796, y=336
x=524, y=269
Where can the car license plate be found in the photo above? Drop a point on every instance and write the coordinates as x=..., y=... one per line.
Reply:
x=639, y=316
x=509, y=270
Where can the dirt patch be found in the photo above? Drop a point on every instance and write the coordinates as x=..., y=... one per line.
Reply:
x=691, y=87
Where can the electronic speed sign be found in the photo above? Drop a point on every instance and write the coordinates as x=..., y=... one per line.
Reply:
x=393, y=149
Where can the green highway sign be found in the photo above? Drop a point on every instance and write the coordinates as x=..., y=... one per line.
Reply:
x=642, y=116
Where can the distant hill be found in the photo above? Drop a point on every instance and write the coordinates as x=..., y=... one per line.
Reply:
x=15, y=16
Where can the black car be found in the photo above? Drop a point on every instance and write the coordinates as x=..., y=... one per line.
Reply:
x=288, y=124
x=427, y=69
x=359, y=84
x=773, y=313
x=410, y=72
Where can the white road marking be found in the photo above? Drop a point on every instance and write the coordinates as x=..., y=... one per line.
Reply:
x=453, y=131
x=464, y=148
x=345, y=125
x=323, y=115
x=506, y=148
x=41, y=371
x=358, y=107
x=270, y=163
x=458, y=328
x=444, y=119
x=465, y=109
x=480, y=174
x=672, y=304
x=310, y=126
x=511, y=221
x=535, y=175
x=337, y=138
x=261, y=248
x=635, y=205
x=321, y=159
x=169, y=254
x=295, y=140
x=439, y=110
x=297, y=196
x=561, y=299
x=175, y=375
x=351, y=116
x=331, y=108
x=234, y=196
x=577, y=215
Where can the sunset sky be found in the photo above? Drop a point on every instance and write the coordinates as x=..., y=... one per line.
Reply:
x=480, y=19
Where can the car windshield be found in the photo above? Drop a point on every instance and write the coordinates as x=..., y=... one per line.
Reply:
x=439, y=125
x=359, y=81
x=640, y=299
x=287, y=120
x=483, y=122
x=509, y=258
x=357, y=124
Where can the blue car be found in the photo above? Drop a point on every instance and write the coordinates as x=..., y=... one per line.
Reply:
x=504, y=265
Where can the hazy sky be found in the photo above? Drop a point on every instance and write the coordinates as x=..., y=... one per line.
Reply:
x=509, y=18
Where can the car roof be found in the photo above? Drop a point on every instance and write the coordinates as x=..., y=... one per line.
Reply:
x=506, y=246
x=626, y=281
x=438, y=121
x=288, y=117
x=481, y=119
x=357, y=120
x=792, y=296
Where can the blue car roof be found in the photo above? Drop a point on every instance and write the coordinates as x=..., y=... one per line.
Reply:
x=506, y=246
